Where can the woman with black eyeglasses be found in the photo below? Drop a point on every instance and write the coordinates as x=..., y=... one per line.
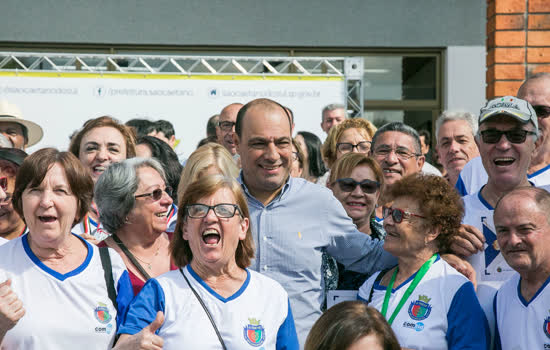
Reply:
x=428, y=304
x=213, y=301
x=134, y=203
x=355, y=180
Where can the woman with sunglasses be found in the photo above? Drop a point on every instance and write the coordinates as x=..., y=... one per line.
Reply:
x=355, y=180
x=213, y=301
x=350, y=136
x=134, y=202
x=428, y=304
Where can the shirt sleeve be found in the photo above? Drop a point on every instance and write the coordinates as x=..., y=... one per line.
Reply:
x=143, y=309
x=286, y=336
x=366, y=288
x=124, y=295
x=468, y=327
x=350, y=247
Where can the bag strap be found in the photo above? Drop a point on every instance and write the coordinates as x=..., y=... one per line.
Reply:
x=131, y=257
x=108, y=274
x=205, y=310
x=109, y=281
x=377, y=280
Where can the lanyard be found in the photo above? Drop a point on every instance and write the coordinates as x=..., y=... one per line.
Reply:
x=425, y=267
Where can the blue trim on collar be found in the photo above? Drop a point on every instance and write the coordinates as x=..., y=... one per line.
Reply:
x=538, y=172
x=52, y=272
x=213, y=292
x=378, y=286
x=523, y=301
x=483, y=201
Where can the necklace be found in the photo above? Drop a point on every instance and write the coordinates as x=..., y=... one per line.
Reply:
x=148, y=264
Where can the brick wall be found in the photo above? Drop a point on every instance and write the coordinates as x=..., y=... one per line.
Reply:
x=518, y=43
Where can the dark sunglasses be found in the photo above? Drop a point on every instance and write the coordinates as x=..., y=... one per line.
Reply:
x=398, y=214
x=542, y=111
x=4, y=183
x=156, y=194
x=349, y=185
x=514, y=135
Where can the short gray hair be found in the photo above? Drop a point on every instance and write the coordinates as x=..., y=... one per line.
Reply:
x=448, y=116
x=331, y=107
x=115, y=189
x=402, y=128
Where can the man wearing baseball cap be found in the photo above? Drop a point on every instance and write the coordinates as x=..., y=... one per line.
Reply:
x=11, y=224
x=21, y=132
x=508, y=130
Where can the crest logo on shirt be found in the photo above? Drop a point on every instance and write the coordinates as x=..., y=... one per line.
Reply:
x=254, y=332
x=420, y=309
x=547, y=327
x=101, y=313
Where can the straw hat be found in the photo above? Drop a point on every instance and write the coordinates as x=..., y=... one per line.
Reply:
x=11, y=113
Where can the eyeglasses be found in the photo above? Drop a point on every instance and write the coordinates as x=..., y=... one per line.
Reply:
x=222, y=210
x=226, y=126
x=514, y=136
x=4, y=183
x=349, y=185
x=156, y=194
x=542, y=111
x=346, y=147
x=401, y=152
x=398, y=214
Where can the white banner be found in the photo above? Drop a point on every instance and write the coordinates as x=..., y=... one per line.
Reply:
x=62, y=104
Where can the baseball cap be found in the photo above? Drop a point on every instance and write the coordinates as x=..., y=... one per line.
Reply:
x=14, y=155
x=511, y=106
x=11, y=113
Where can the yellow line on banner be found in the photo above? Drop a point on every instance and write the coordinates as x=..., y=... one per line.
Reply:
x=166, y=76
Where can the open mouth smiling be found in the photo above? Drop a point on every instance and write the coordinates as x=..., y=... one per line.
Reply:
x=211, y=237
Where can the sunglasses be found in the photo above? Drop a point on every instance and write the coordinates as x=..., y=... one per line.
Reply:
x=398, y=215
x=156, y=194
x=222, y=210
x=4, y=183
x=542, y=111
x=514, y=136
x=349, y=185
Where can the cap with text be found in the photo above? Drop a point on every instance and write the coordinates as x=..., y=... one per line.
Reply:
x=511, y=106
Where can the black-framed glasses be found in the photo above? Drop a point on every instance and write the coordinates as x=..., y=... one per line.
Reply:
x=226, y=126
x=398, y=214
x=542, y=111
x=514, y=136
x=401, y=152
x=4, y=183
x=349, y=185
x=346, y=147
x=222, y=210
x=156, y=194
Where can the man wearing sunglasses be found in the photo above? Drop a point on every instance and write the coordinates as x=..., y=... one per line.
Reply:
x=11, y=224
x=536, y=91
x=508, y=130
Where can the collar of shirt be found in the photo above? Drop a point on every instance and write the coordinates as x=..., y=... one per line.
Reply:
x=286, y=189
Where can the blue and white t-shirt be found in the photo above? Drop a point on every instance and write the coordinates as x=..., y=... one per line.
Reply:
x=522, y=324
x=257, y=316
x=442, y=312
x=63, y=311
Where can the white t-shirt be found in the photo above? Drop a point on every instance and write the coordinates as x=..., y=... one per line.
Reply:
x=522, y=324
x=257, y=316
x=63, y=311
x=441, y=313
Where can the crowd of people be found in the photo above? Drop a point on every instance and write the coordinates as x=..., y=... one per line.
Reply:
x=262, y=240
